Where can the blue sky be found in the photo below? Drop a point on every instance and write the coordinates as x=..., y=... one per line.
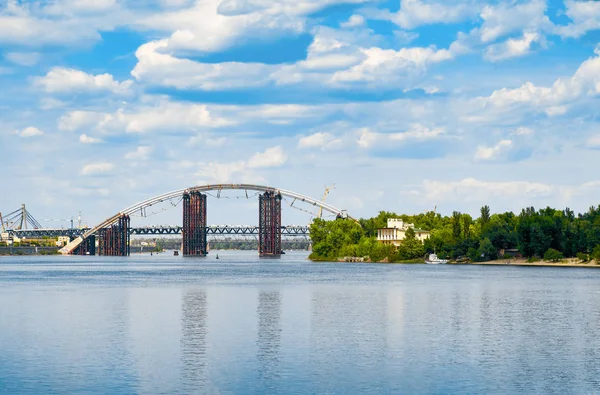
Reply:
x=404, y=105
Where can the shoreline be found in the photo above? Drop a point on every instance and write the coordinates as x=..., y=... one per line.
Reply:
x=571, y=262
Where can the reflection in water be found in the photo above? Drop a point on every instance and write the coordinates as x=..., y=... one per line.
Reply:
x=350, y=329
x=193, y=342
x=329, y=328
x=269, y=338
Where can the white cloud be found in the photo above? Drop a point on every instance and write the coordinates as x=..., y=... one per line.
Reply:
x=523, y=131
x=60, y=80
x=509, y=17
x=527, y=19
x=585, y=82
x=214, y=25
x=23, y=58
x=594, y=142
x=272, y=157
x=85, y=139
x=151, y=116
x=354, y=21
x=471, y=189
x=389, y=66
x=512, y=48
x=415, y=13
x=491, y=153
x=556, y=110
x=61, y=22
x=141, y=153
x=417, y=132
x=585, y=16
x=76, y=120
x=332, y=60
x=319, y=140
x=96, y=168
x=243, y=170
x=29, y=132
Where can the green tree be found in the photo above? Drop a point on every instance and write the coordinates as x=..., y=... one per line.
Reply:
x=484, y=218
x=487, y=251
x=466, y=225
x=411, y=247
x=596, y=254
x=456, y=226
x=553, y=255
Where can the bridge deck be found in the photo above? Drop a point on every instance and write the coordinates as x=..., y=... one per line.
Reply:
x=290, y=230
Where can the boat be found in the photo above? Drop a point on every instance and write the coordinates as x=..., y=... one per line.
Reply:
x=434, y=260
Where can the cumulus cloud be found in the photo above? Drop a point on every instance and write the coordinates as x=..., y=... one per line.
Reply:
x=485, y=153
x=76, y=120
x=215, y=25
x=29, y=132
x=96, y=168
x=585, y=17
x=369, y=139
x=512, y=48
x=142, y=118
x=332, y=61
x=585, y=82
x=272, y=157
x=353, y=21
x=23, y=58
x=62, y=22
x=528, y=19
x=85, y=139
x=245, y=170
x=319, y=140
x=415, y=13
x=141, y=153
x=62, y=80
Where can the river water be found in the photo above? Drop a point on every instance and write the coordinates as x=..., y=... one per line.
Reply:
x=240, y=325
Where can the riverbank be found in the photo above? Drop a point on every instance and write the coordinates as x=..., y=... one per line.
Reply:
x=570, y=262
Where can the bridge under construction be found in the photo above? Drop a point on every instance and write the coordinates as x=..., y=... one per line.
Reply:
x=112, y=236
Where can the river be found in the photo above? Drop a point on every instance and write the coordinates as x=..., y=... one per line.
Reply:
x=241, y=325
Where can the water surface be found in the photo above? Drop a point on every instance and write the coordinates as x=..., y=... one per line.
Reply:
x=241, y=325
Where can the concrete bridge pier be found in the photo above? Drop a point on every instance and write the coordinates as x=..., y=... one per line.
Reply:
x=194, y=224
x=269, y=225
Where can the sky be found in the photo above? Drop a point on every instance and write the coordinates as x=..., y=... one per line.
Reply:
x=404, y=105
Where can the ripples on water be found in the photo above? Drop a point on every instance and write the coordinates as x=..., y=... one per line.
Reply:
x=166, y=324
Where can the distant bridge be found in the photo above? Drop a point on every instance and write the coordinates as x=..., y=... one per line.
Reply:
x=114, y=233
x=217, y=230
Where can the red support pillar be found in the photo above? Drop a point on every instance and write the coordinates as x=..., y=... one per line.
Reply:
x=269, y=225
x=114, y=241
x=194, y=224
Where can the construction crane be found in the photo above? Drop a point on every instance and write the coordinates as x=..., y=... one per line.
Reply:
x=327, y=189
x=66, y=220
x=429, y=211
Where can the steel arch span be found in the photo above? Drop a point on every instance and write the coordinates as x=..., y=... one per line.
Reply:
x=202, y=188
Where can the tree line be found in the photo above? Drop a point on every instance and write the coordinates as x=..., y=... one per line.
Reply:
x=545, y=233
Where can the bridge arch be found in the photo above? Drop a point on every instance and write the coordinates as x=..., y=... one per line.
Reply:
x=202, y=188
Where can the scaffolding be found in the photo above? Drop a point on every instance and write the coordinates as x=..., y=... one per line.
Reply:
x=114, y=241
x=269, y=225
x=194, y=224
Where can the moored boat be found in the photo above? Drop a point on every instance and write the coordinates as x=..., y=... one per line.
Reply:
x=434, y=260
